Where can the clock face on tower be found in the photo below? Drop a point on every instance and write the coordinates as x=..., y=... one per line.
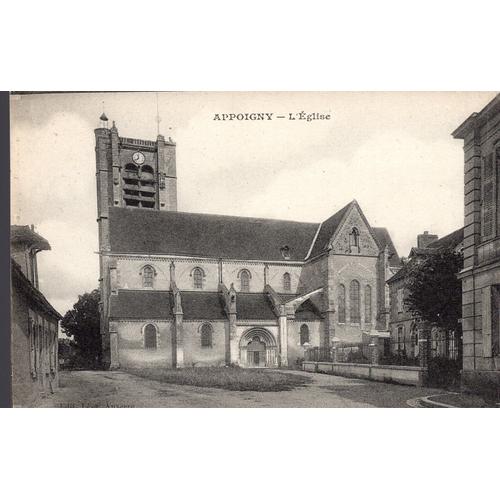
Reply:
x=138, y=158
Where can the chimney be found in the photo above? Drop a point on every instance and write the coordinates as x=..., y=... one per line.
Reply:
x=424, y=240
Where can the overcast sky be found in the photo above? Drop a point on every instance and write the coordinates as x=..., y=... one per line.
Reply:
x=392, y=152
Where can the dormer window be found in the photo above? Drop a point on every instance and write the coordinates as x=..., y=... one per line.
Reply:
x=285, y=252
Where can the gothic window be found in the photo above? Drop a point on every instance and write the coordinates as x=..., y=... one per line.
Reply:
x=244, y=280
x=368, y=304
x=341, y=305
x=355, y=313
x=198, y=278
x=354, y=239
x=287, y=282
x=148, y=274
x=304, y=334
x=206, y=335
x=150, y=340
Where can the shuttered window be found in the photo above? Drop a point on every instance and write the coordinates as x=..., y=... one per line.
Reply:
x=488, y=209
x=497, y=172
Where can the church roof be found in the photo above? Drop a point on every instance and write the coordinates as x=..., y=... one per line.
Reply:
x=307, y=311
x=222, y=236
x=202, y=305
x=141, y=304
x=218, y=236
x=253, y=306
x=384, y=239
x=328, y=228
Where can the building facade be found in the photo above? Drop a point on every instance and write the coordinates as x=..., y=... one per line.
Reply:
x=405, y=330
x=34, y=326
x=186, y=289
x=481, y=273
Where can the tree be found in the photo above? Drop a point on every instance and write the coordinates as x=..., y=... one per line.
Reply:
x=435, y=292
x=82, y=323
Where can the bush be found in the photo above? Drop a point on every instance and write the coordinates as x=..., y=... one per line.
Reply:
x=443, y=372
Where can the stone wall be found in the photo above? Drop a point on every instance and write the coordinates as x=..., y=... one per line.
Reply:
x=33, y=374
x=131, y=350
x=481, y=273
x=129, y=269
x=194, y=353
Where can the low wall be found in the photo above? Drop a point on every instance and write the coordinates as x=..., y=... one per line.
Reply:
x=407, y=375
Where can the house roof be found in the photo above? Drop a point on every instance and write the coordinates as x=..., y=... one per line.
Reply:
x=23, y=283
x=478, y=119
x=450, y=241
x=139, y=304
x=220, y=236
x=24, y=234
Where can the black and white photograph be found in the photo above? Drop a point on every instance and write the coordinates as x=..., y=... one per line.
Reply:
x=255, y=249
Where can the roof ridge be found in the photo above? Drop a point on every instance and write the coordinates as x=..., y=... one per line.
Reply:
x=203, y=214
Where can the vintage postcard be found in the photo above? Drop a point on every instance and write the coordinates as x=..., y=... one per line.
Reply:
x=255, y=249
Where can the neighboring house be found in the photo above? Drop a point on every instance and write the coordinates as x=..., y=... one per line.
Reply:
x=404, y=328
x=184, y=289
x=481, y=273
x=34, y=322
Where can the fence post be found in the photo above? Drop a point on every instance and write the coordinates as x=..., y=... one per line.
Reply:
x=423, y=348
x=374, y=349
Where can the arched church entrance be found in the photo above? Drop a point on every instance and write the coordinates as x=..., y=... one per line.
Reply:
x=258, y=349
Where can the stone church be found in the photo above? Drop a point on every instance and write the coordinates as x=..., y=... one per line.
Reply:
x=189, y=289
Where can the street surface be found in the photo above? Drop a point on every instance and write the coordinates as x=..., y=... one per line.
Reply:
x=120, y=389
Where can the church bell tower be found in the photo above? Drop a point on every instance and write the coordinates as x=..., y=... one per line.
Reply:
x=134, y=174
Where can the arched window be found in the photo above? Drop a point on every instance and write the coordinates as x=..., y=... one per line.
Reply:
x=368, y=304
x=130, y=167
x=244, y=281
x=341, y=306
x=287, y=282
x=147, y=173
x=150, y=341
x=198, y=278
x=148, y=275
x=354, y=239
x=206, y=335
x=355, y=313
x=304, y=334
